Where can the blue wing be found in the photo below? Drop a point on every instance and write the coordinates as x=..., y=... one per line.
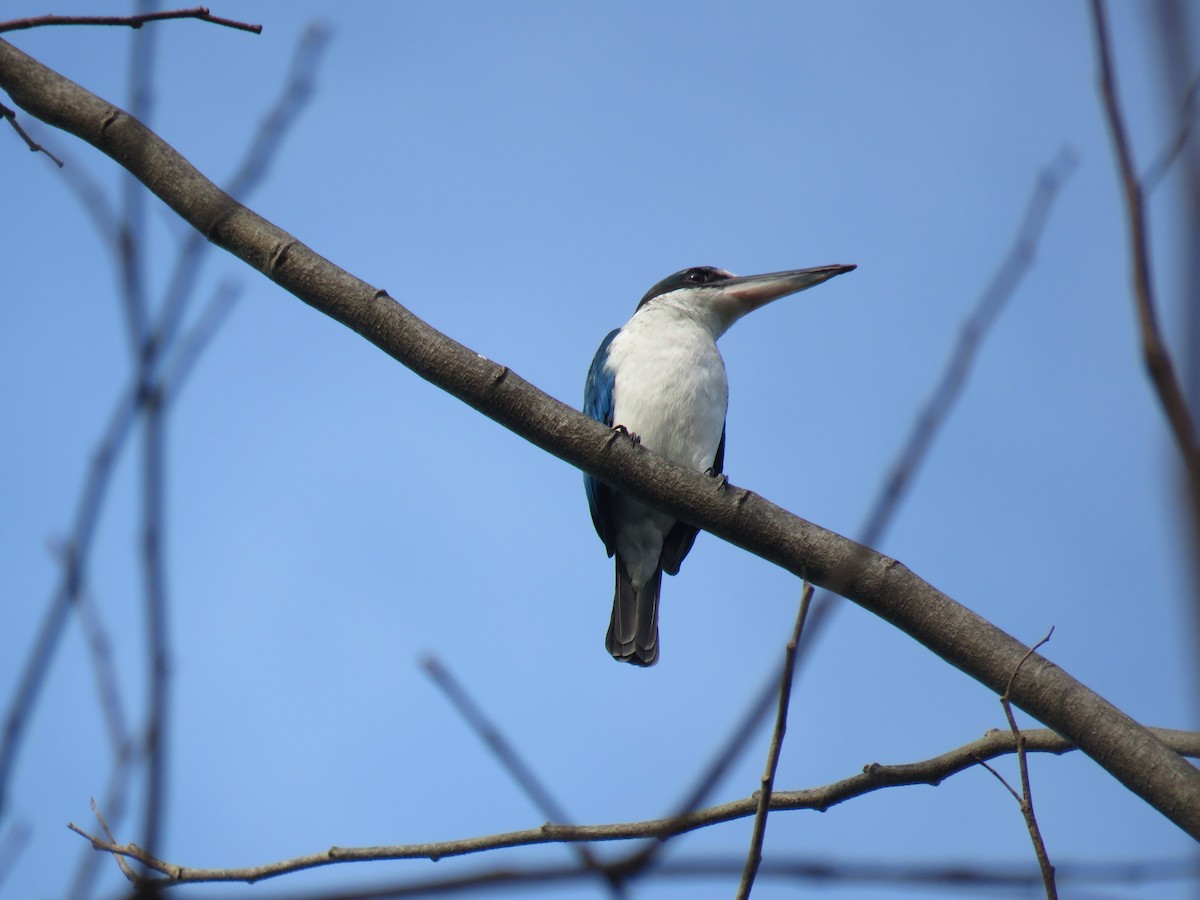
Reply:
x=598, y=403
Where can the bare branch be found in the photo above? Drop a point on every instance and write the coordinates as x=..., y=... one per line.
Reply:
x=128, y=407
x=1155, y=355
x=641, y=860
x=938, y=406
x=154, y=575
x=11, y=115
x=879, y=584
x=107, y=687
x=121, y=862
x=958, y=879
x=273, y=128
x=521, y=773
x=131, y=228
x=754, y=857
x=873, y=777
x=1026, y=798
x=1162, y=163
x=193, y=342
x=136, y=21
x=66, y=594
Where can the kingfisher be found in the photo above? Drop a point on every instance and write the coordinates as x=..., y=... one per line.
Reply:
x=660, y=379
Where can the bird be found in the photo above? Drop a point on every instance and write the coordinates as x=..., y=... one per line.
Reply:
x=660, y=379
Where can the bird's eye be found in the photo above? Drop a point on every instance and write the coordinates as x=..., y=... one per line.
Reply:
x=697, y=276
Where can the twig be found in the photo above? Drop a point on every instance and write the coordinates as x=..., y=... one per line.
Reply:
x=158, y=654
x=1166, y=158
x=641, y=860
x=273, y=128
x=948, y=880
x=193, y=342
x=124, y=866
x=11, y=115
x=107, y=688
x=1154, y=351
x=873, y=777
x=758, y=833
x=116, y=797
x=135, y=21
x=1026, y=798
x=521, y=773
x=936, y=410
x=131, y=227
x=128, y=408
x=75, y=553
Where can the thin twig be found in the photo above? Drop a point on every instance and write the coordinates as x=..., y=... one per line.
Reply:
x=873, y=777
x=108, y=690
x=954, y=880
x=135, y=21
x=158, y=654
x=127, y=411
x=1026, y=798
x=131, y=227
x=126, y=870
x=759, y=831
x=1162, y=163
x=116, y=798
x=516, y=767
x=193, y=342
x=937, y=407
x=75, y=554
x=274, y=126
x=1155, y=355
x=947, y=880
x=11, y=115
x=704, y=784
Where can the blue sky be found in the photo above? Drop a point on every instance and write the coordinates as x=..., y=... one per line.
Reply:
x=518, y=175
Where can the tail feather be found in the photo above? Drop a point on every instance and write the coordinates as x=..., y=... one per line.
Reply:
x=633, y=630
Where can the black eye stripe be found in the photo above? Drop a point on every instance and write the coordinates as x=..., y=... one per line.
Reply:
x=697, y=275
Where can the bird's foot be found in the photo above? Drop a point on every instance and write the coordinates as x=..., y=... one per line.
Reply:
x=621, y=429
x=722, y=478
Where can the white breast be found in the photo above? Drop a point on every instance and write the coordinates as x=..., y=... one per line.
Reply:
x=670, y=386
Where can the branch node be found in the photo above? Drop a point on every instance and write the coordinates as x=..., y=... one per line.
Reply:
x=278, y=257
x=114, y=115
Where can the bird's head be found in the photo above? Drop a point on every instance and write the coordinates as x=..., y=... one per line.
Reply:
x=719, y=298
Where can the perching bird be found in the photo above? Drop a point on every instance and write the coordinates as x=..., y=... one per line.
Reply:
x=661, y=378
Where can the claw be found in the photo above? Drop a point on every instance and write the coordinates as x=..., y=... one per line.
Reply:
x=621, y=429
x=721, y=477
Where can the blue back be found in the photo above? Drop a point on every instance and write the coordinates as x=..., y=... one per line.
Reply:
x=598, y=403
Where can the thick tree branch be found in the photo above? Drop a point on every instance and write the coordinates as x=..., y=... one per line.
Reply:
x=881, y=585
x=873, y=777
